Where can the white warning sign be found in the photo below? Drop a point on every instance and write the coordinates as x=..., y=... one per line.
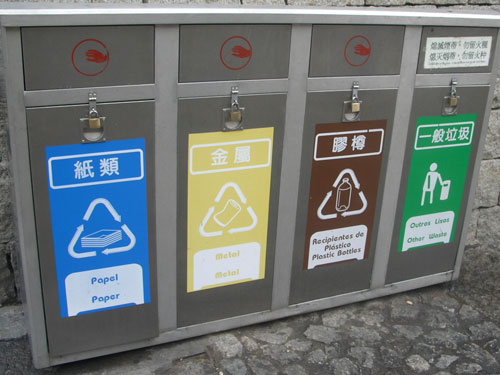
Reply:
x=457, y=52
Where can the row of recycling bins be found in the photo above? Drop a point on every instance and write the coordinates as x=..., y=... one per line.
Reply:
x=192, y=178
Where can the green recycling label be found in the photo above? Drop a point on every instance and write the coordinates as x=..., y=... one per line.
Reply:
x=436, y=180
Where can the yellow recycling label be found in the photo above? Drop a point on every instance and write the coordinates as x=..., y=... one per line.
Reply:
x=228, y=206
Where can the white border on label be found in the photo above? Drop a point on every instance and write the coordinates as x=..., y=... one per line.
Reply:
x=349, y=132
x=267, y=164
x=51, y=182
x=445, y=124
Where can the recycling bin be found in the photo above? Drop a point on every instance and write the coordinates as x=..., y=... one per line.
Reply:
x=446, y=123
x=228, y=140
x=345, y=147
x=96, y=244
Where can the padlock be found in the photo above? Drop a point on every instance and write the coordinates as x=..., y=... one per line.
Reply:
x=235, y=116
x=94, y=123
x=453, y=101
x=355, y=107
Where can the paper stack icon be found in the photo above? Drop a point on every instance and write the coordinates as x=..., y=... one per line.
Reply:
x=102, y=238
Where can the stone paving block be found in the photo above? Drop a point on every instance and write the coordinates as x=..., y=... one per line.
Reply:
x=445, y=361
x=417, y=363
x=322, y=334
x=262, y=366
x=299, y=345
x=225, y=346
x=363, y=355
x=474, y=353
x=234, y=366
x=280, y=353
x=317, y=357
x=447, y=338
x=295, y=370
x=486, y=330
x=273, y=333
x=343, y=366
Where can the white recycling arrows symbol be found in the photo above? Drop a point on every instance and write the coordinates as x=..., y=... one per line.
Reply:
x=107, y=251
x=229, y=219
x=330, y=193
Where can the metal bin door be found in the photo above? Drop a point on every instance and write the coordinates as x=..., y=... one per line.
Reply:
x=342, y=173
x=438, y=165
x=95, y=221
x=227, y=207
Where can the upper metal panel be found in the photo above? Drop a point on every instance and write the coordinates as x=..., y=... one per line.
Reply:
x=457, y=50
x=356, y=50
x=233, y=52
x=72, y=57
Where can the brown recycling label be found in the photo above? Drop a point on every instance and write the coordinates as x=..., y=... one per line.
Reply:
x=343, y=191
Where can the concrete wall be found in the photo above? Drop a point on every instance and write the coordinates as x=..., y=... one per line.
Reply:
x=485, y=222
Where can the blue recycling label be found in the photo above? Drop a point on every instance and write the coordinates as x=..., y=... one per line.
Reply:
x=99, y=218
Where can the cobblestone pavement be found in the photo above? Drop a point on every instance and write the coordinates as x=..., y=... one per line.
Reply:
x=447, y=329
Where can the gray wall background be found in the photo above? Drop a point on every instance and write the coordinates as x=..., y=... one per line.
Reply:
x=484, y=228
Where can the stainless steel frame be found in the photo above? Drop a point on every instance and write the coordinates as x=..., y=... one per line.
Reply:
x=166, y=92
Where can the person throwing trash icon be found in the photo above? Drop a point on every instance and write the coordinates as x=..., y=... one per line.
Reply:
x=430, y=184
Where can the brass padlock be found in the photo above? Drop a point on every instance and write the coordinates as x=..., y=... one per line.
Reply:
x=453, y=101
x=235, y=116
x=94, y=123
x=355, y=107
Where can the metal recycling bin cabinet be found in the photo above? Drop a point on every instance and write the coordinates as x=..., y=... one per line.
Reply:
x=446, y=118
x=229, y=138
x=181, y=171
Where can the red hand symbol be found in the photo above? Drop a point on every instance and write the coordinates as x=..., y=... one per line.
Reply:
x=361, y=50
x=96, y=56
x=241, y=52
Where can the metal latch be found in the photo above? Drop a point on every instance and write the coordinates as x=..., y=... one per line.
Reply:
x=352, y=108
x=232, y=117
x=93, y=128
x=451, y=102
x=453, y=93
x=355, y=103
x=94, y=120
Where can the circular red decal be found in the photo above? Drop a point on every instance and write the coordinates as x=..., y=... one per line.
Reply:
x=90, y=57
x=235, y=53
x=357, y=50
